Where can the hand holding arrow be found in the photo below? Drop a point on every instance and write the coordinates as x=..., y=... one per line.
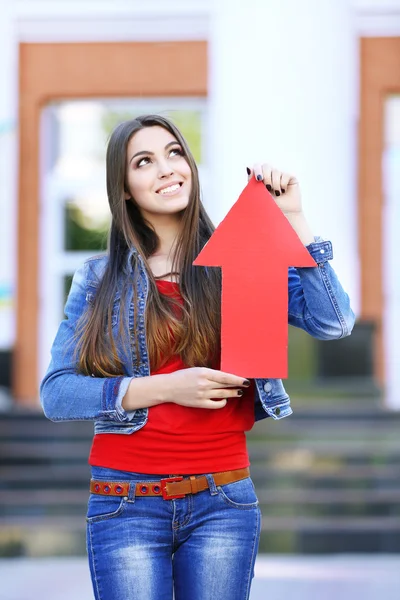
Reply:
x=254, y=245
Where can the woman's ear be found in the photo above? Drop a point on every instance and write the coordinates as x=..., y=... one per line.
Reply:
x=127, y=195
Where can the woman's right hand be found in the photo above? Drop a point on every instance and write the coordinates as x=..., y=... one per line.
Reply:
x=200, y=387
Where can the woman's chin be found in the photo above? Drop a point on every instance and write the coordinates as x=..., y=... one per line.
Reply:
x=175, y=206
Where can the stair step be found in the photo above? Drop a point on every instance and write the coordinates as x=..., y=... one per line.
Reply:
x=70, y=474
x=45, y=451
x=336, y=472
x=327, y=496
x=262, y=449
x=78, y=474
x=291, y=523
x=44, y=497
x=335, y=524
x=26, y=427
x=49, y=496
x=259, y=449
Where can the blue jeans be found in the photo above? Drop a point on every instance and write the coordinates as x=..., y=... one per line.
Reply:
x=200, y=547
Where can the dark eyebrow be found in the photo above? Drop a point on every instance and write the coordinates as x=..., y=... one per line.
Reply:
x=148, y=153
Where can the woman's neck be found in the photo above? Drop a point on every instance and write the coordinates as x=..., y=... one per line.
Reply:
x=167, y=230
x=161, y=262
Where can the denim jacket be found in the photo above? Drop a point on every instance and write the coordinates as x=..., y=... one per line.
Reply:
x=317, y=303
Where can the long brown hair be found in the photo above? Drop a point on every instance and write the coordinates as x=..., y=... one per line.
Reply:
x=194, y=334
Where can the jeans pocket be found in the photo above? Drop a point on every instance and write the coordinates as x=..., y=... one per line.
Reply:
x=102, y=507
x=240, y=494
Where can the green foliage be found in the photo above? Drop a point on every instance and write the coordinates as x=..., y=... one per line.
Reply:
x=302, y=358
x=188, y=121
x=80, y=237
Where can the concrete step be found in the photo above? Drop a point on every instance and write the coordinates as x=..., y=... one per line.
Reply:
x=50, y=496
x=65, y=474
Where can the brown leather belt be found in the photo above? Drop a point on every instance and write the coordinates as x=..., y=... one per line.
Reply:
x=168, y=488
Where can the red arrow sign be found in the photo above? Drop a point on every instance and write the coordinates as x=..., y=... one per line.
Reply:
x=255, y=245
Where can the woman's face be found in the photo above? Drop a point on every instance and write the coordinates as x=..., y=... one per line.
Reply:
x=158, y=177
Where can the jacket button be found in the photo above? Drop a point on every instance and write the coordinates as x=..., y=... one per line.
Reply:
x=267, y=387
x=277, y=411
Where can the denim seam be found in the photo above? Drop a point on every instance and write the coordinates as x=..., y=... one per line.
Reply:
x=331, y=295
x=188, y=517
x=94, y=561
x=315, y=250
x=110, y=392
x=69, y=418
x=106, y=517
x=282, y=401
x=256, y=533
x=173, y=529
x=327, y=285
x=227, y=500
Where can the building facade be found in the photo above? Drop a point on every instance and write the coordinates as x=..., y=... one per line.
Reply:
x=312, y=87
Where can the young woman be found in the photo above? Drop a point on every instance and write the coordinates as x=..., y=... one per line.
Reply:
x=172, y=507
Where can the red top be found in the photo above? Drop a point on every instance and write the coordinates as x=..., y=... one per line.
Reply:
x=179, y=439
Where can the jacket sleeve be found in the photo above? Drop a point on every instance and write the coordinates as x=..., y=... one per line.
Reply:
x=317, y=302
x=65, y=394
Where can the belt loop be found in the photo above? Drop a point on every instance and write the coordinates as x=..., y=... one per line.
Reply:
x=211, y=484
x=193, y=484
x=132, y=491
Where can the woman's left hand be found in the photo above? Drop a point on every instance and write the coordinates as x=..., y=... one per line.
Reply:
x=283, y=187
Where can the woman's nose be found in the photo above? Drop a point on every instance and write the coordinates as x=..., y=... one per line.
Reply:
x=165, y=169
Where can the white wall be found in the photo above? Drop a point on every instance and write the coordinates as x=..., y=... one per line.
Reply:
x=8, y=173
x=283, y=91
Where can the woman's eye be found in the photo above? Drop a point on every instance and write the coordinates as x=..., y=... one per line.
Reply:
x=177, y=151
x=146, y=159
x=143, y=161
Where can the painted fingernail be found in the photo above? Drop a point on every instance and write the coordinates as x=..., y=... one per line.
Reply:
x=259, y=177
x=277, y=193
x=240, y=393
x=283, y=191
x=269, y=188
x=246, y=383
x=248, y=170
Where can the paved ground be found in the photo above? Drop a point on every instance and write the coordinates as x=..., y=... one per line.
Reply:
x=343, y=577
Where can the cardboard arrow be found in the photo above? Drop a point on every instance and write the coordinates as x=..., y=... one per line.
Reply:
x=254, y=245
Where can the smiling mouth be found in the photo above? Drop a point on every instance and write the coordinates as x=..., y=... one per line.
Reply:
x=171, y=189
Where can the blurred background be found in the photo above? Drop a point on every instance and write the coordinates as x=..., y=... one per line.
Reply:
x=311, y=86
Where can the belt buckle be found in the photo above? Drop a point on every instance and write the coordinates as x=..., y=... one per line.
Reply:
x=164, y=493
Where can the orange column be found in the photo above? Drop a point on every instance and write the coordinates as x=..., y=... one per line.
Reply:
x=380, y=76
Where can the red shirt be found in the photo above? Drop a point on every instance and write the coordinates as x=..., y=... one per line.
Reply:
x=179, y=439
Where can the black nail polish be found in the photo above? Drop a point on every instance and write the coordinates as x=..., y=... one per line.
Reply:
x=277, y=193
x=248, y=170
x=283, y=191
x=269, y=188
x=246, y=383
x=259, y=177
x=240, y=393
